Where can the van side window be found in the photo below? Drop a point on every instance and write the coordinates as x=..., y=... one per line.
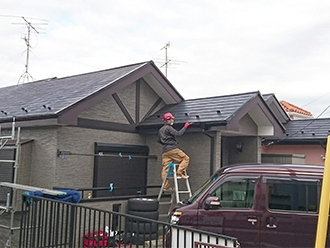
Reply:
x=236, y=192
x=293, y=194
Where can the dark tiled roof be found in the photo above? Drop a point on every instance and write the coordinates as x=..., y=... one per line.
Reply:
x=57, y=93
x=212, y=109
x=276, y=107
x=267, y=96
x=307, y=129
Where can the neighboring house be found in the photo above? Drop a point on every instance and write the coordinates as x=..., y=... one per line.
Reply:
x=68, y=123
x=304, y=140
x=295, y=112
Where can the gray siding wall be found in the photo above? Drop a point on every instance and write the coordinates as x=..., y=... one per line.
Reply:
x=106, y=110
x=25, y=162
x=37, y=159
x=42, y=172
x=127, y=96
x=77, y=171
x=41, y=167
x=247, y=126
x=249, y=154
x=147, y=99
x=46, y=169
x=81, y=140
x=196, y=146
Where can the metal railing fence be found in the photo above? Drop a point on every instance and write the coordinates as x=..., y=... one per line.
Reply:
x=112, y=191
x=49, y=223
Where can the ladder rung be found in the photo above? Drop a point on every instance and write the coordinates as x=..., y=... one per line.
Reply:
x=9, y=147
x=175, y=191
x=177, y=178
x=7, y=161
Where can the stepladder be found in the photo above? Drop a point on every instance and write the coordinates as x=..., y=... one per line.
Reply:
x=179, y=189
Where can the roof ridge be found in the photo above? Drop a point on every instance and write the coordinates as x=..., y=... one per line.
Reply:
x=247, y=93
x=311, y=119
x=86, y=73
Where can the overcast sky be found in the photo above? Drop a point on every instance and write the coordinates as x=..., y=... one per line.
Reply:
x=217, y=47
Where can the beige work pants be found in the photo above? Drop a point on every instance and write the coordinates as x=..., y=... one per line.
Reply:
x=170, y=157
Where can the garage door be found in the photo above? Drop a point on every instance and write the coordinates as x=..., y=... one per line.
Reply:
x=125, y=169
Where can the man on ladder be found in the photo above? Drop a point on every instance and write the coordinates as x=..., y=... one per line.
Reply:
x=171, y=152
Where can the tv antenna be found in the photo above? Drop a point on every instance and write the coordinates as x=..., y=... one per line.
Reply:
x=26, y=76
x=167, y=61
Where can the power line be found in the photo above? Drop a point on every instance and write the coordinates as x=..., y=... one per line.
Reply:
x=315, y=99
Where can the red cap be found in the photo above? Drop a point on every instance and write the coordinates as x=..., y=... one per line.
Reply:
x=167, y=116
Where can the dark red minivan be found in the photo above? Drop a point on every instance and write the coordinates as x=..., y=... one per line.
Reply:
x=261, y=205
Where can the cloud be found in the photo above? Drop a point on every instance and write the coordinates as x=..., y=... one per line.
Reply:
x=217, y=46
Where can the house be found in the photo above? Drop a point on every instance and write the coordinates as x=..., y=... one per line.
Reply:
x=295, y=112
x=98, y=128
x=304, y=139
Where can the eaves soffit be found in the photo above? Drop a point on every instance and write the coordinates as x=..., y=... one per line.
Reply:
x=262, y=115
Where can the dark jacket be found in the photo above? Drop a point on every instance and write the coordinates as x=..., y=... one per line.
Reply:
x=166, y=137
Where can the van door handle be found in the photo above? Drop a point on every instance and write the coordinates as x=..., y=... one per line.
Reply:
x=271, y=222
x=252, y=219
x=271, y=226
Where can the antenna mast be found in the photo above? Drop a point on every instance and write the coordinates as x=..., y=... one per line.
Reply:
x=166, y=60
x=26, y=75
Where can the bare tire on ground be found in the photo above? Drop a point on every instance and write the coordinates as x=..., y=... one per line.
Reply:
x=143, y=204
x=149, y=215
x=142, y=227
x=141, y=238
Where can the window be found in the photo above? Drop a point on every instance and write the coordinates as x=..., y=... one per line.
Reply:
x=236, y=192
x=293, y=194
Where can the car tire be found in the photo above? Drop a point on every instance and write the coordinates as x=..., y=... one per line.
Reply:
x=142, y=227
x=149, y=215
x=139, y=239
x=143, y=204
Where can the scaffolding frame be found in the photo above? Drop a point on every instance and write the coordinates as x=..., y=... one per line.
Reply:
x=11, y=201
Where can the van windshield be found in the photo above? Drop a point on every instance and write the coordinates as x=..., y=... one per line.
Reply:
x=203, y=188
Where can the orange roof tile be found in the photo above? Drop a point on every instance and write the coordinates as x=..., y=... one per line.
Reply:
x=288, y=107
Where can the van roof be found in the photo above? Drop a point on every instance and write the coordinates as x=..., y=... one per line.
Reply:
x=285, y=169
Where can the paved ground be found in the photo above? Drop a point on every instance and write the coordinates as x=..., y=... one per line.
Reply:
x=5, y=233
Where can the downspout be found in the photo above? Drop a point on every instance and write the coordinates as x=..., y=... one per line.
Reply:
x=211, y=153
